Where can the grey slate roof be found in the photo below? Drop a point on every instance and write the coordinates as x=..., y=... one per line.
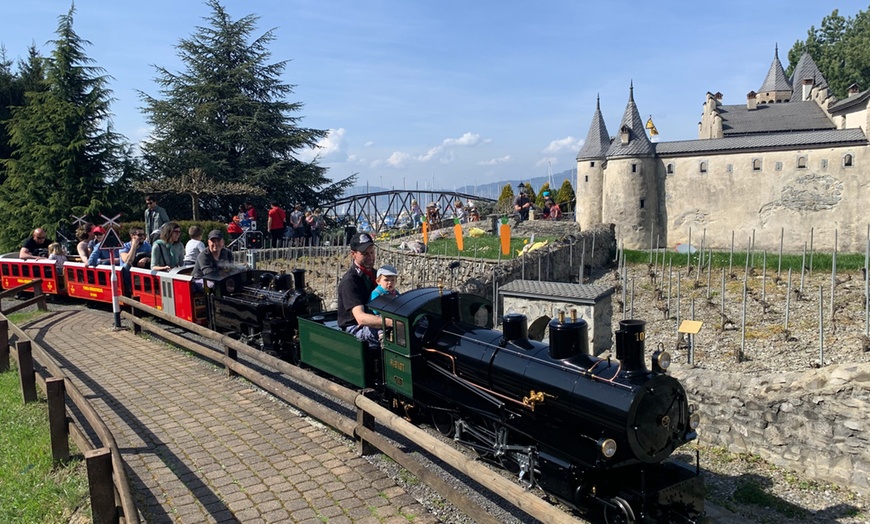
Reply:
x=638, y=143
x=806, y=68
x=850, y=101
x=556, y=291
x=792, y=140
x=776, y=80
x=597, y=140
x=772, y=118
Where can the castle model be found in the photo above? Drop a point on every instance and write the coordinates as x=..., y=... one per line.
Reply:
x=788, y=166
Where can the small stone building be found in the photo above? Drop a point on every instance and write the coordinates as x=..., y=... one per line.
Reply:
x=541, y=301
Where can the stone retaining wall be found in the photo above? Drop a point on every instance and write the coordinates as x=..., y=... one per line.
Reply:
x=813, y=422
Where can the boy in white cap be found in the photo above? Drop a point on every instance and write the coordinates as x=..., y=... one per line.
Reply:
x=386, y=280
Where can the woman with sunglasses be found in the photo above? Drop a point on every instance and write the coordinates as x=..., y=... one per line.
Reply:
x=168, y=251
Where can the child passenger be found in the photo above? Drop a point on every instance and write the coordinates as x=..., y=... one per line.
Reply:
x=386, y=280
x=57, y=253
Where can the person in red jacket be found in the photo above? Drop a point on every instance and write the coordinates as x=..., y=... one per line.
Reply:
x=276, y=223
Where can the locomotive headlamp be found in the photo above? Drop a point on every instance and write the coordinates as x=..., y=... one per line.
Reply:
x=661, y=360
x=608, y=447
x=694, y=420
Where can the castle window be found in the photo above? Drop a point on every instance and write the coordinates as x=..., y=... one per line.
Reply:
x=703, y=167
x=847, y=160
x=670, y=169
x=592, y=164
x=756, y=164
x=641, y=203
x=634, y=168
x=587, y=179
x=802, y=162
x=778, y=166
x=824, y=163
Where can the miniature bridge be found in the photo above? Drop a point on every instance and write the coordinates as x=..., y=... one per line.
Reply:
x=383, y=210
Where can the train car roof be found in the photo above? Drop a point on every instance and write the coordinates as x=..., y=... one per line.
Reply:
x=410, y=301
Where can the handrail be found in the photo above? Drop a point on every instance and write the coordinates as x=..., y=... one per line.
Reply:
x=510, y=491
x=120, y=480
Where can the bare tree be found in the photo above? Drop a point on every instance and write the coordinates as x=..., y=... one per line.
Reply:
x=196, y=184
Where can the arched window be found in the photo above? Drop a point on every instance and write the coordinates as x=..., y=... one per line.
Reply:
x=703, y=166
x=802, y=162
x=670, y=169
x=756, y=164
x=847, y=160
x=634, y=168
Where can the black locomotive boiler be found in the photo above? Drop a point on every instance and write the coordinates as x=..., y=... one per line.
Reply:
x=593, y=432
x=261, y=308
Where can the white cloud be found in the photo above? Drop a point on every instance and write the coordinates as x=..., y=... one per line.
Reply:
x=329, y=146
x=432, y=153
x=398, y=159
x=370, y=143
x=495, y=161
x=546, y=160
x=468, y=139
x=569, y=143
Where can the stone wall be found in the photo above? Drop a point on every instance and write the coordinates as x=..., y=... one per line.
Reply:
x=814, y=422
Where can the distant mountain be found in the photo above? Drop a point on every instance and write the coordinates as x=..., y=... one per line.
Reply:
x=491, y=190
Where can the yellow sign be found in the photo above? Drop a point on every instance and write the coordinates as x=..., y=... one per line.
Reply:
x=691, y=327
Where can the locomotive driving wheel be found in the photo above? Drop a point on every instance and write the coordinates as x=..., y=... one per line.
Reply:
x=618, y=511
x=444, y=421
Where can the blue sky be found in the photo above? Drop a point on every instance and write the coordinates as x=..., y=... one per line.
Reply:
x=450, y=93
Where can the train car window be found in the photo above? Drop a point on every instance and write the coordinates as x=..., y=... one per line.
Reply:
x=80, y=275
x=5, y=269
x=25, y=271
x=47, y=272
x=91, y=278
x=101, y=278
x=399, y=329
x=148, y=285
x=137, y=282
x=15, y=271
x=167, y=289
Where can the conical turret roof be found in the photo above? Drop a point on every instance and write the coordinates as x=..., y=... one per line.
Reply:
x=776, y=80
x=638, y=143
x=597, y=140
x=807, y=68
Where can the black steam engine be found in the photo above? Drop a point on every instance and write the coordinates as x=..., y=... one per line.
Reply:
x=590, y=431
x=261, y=307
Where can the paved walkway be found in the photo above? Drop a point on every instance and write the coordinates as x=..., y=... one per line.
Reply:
x=202, y=447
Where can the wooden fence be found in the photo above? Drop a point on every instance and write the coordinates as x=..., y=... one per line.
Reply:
x=363, y=428
x=111, y=498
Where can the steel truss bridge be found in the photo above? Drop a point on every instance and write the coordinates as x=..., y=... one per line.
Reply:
x=383, y=210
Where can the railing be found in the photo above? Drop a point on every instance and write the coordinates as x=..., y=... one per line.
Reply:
x=111, y=497
x=38, y=297
x=361, y=429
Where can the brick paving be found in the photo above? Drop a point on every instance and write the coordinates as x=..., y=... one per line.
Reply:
x=202, y=447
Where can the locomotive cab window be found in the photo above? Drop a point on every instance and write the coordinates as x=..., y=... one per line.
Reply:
x=399, y=330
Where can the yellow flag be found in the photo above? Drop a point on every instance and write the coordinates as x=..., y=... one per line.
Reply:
x=652, y=127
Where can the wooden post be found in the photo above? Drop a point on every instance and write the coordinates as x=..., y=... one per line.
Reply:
x=4, y=345
x=365, y=420
x=37, y=293
x=54, y=389
x=25, y=371
x=137, y=328
x=99, y=464
x=230, y=354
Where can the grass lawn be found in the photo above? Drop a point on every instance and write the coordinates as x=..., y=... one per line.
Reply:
x=487, y=246
x=32, y=490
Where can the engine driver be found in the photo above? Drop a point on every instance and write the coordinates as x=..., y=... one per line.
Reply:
x=354, y=290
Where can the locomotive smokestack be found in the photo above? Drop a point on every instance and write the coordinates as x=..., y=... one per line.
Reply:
x=299, y=280
x=630, y=346
x=515, y=327
x=568, y=339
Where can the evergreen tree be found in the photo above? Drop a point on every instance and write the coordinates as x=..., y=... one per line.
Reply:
x=62, y=149
x=841, y=50
x=29, y=77
x=505, y=203
x=566, y=197
x=226, y=114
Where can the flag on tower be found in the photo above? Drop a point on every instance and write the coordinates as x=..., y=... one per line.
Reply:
x=652, y=127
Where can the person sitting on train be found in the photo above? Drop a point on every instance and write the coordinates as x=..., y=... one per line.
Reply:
x=215, y=258
x=101, y=256
x=82, y=248
x=354, y=291
x=385, y=278
x=167, y=252
x=57, y=253
x=35, y=247
x=136, y=252
x=194, y=246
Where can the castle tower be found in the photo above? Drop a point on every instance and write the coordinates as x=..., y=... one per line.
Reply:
x=631, y=188
x=590, y=171
x=776, y=87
